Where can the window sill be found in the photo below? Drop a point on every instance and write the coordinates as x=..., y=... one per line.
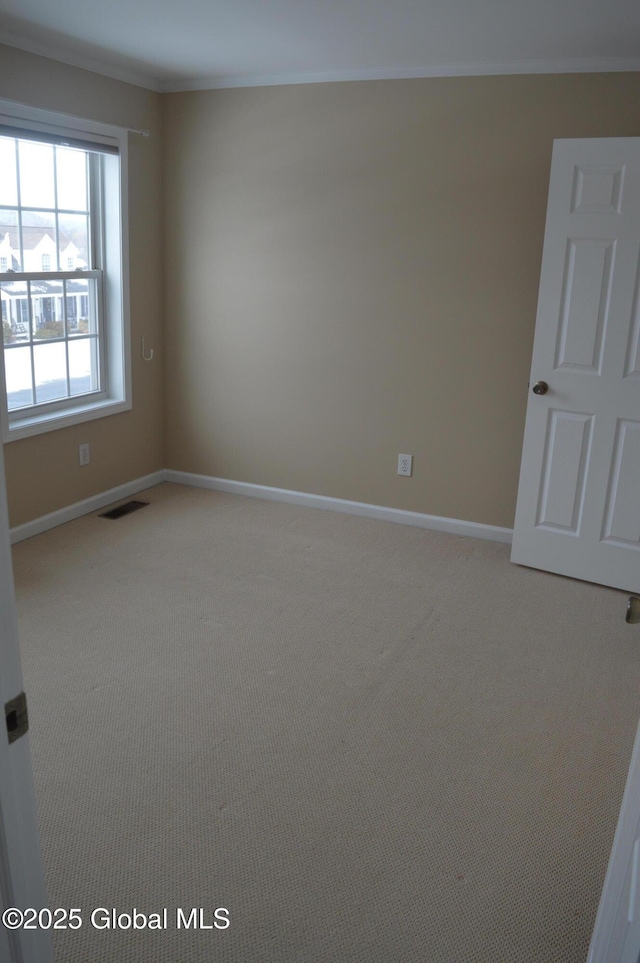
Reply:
x=38, y=424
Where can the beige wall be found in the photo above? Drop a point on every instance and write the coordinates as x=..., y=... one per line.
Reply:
x=42, y=471
x=353, y=273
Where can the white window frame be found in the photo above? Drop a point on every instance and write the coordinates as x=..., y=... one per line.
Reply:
x=115, y=345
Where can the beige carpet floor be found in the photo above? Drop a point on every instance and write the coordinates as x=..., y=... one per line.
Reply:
x=368, y=742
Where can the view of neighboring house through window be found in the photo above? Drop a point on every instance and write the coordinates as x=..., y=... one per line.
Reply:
x=64, y=291
x=51, y=325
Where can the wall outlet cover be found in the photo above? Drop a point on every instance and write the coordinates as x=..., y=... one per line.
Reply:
x=405, y=465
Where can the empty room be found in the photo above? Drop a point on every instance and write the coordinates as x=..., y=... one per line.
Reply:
x=320, y=414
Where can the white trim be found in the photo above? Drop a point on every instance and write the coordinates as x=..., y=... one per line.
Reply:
x=59, y=122
x=63, y=418
x=86, y=57
x=83, y=58
x=602, y=65
x=437, y=523
x=22, y=884
x=71, y=120
x=634, y=882
x=115, y=325
x=608, y=921
x=85, y=507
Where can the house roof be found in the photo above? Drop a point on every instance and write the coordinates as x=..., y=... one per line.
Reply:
x=33, y=235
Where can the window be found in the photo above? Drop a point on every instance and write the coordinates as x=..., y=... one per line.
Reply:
x=62, y=271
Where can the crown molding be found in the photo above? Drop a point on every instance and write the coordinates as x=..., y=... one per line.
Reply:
x=77, y=58
x=104, y=66
x=618, y=65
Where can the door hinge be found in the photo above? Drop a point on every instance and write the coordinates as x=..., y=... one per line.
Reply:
x=17, y=719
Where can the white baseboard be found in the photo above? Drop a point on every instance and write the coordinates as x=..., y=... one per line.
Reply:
x=53, y=519
x=453, y=526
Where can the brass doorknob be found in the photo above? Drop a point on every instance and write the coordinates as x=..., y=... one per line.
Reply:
x=540, y=388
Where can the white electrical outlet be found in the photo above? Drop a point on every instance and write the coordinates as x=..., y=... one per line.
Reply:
x=83, y=452
x=405, y=464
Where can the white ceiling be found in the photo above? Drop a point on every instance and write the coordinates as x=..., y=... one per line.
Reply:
x=194, y=44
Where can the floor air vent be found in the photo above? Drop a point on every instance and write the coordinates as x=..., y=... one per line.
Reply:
x=125, y=509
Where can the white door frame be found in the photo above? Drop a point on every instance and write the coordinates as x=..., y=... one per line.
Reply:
x=616, y=934
x=21, y=874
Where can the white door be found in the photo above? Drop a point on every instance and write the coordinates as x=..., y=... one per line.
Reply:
x=578, y=509
x=21, y=877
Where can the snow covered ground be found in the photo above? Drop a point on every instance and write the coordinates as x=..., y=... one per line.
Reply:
x=50, y=373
